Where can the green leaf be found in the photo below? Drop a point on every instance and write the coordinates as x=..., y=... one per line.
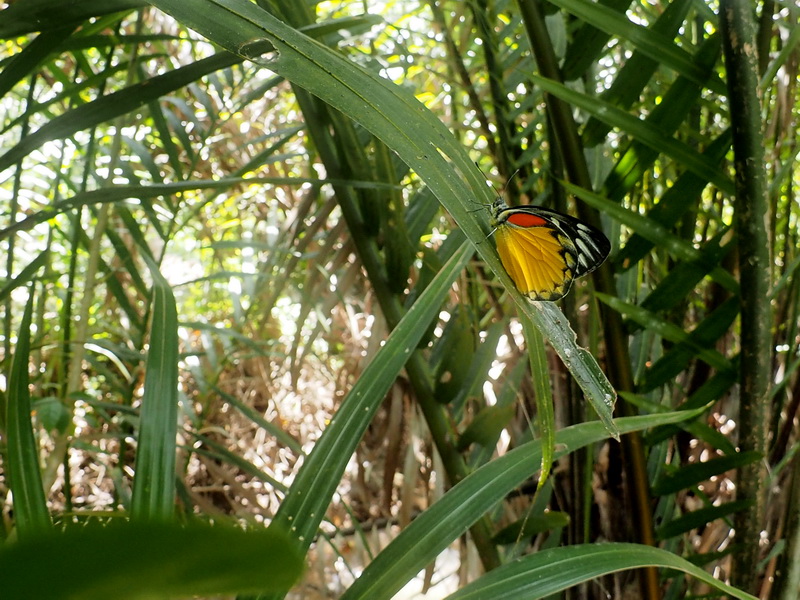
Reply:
x=692, y=474
x=634, y=74
x=29, y=16
x=699, y=518
x=22, y=453
x=144, y=561
x=28, y=274
x=649, y=229
x=52, y=414
x=652, y=43
x=113, y=105
x=704, y=335
x=665, y=329
x=647, y=133
x=486, y=426
x=322, y=469
x=154, y=484
x=453, y=354
x=676, y=106
x=679, y=199
x=584, y=368
x=682, y=279
x=550, y=571
x=543, y=396
x=530, y=526
x=465, y=503
x=401, y=122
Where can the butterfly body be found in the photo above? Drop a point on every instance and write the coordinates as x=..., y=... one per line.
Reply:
x=543, y=251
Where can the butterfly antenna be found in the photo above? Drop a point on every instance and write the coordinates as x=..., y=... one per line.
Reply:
x=487, y=180
x=510, y=179
x=507, y=186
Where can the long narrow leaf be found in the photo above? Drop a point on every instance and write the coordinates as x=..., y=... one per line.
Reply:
x=551, y=571
x=465, y=503
x=323, y=468
x=647, y=133
x=119, y=103
x=400, y=121
x=154, y=485
x=649, y=42
x=587, y=373
x=22, y=458
x=545, y=412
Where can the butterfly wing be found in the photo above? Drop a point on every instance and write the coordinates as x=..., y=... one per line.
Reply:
x=543, y=250
x=591, y=245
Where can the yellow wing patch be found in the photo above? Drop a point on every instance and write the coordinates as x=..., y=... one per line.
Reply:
x=543, y=251
x=538, y=260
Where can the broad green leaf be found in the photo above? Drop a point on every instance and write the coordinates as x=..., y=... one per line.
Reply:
x=485, y=428
x=144, y=561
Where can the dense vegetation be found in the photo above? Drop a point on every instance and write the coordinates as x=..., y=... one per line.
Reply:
x=249, y=279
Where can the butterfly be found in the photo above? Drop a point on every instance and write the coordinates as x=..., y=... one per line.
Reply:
x=543, y=251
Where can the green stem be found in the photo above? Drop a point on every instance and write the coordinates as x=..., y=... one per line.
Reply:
x=752, y=218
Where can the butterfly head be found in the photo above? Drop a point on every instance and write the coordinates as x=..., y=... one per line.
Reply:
x=495, y=210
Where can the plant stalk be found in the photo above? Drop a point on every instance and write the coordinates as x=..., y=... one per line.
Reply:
x=739, y=32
